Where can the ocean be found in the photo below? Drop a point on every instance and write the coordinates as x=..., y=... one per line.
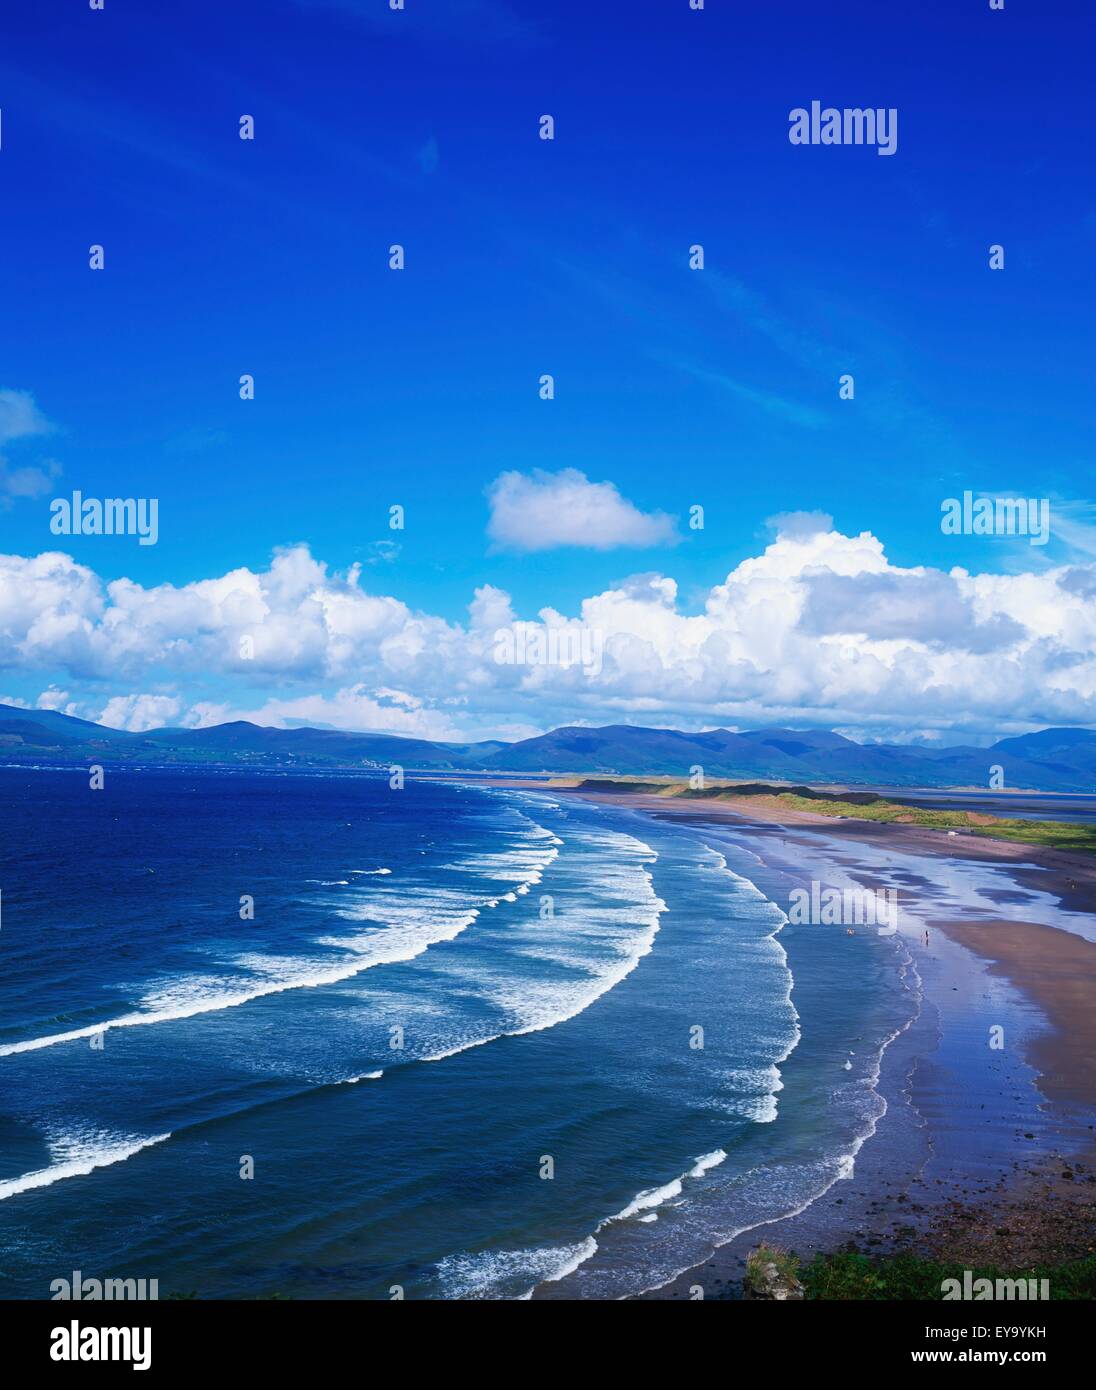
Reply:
x=474, y=1042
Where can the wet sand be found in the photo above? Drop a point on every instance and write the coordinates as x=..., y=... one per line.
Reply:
x=949, y=1172
x=1054, y=968
x=1071, y=877
x=912, y=1188
x=1058, y=972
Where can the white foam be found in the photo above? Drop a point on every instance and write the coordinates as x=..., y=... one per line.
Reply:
x=194, y=995
x=653, y=1197
x=480, y=1275
x=622, y=935
x=407, y=924
x=780, y=921
x=706, y=1161
x=644, y=1201
x=76, y=1156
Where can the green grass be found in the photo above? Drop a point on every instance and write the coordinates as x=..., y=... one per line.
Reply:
x=1065, y=835
x=1055, y=834
x=785, y=1262
x=848, y=1277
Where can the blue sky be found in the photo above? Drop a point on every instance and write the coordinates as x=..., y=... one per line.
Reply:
x=420, y=387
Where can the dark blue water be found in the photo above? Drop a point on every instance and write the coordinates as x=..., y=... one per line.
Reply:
x=472, y=1039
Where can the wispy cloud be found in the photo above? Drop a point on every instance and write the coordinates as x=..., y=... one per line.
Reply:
x=1074, y=524
x=20, y=418
x=768, y=401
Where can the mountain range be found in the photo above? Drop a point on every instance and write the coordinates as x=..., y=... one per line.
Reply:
x=1062, y=760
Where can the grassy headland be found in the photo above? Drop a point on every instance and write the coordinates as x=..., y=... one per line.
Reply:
x=847, y=1275
x=864, y=806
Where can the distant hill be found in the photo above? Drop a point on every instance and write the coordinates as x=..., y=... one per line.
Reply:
x=1053, y=760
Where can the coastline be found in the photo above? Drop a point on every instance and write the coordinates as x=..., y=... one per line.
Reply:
x=1028, y=1196
x=1046, y=963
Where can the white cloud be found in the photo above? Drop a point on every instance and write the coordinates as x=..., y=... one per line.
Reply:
x=799, y=523
x=1075, y=524
x=54, y=699
x=28, y=481
x=140, y=712
x=819, y=627
x=20, y=418
x=357, y=709
x=543, y=511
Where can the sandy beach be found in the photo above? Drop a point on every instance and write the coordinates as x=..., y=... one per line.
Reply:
x=1055, y=968
x=1024, y=1191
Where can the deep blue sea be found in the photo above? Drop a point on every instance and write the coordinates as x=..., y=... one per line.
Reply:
x=474, y=1042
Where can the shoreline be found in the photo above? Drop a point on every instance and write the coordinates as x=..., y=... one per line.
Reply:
x=910, y=1190
x=1046, y=963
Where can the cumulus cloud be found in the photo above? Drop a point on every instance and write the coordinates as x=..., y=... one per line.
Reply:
x=923, y=606
x=544, y=511
x=819, y=627
x=140, y=712
x=799, y=523
x=357, y=708
x=54, y=699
